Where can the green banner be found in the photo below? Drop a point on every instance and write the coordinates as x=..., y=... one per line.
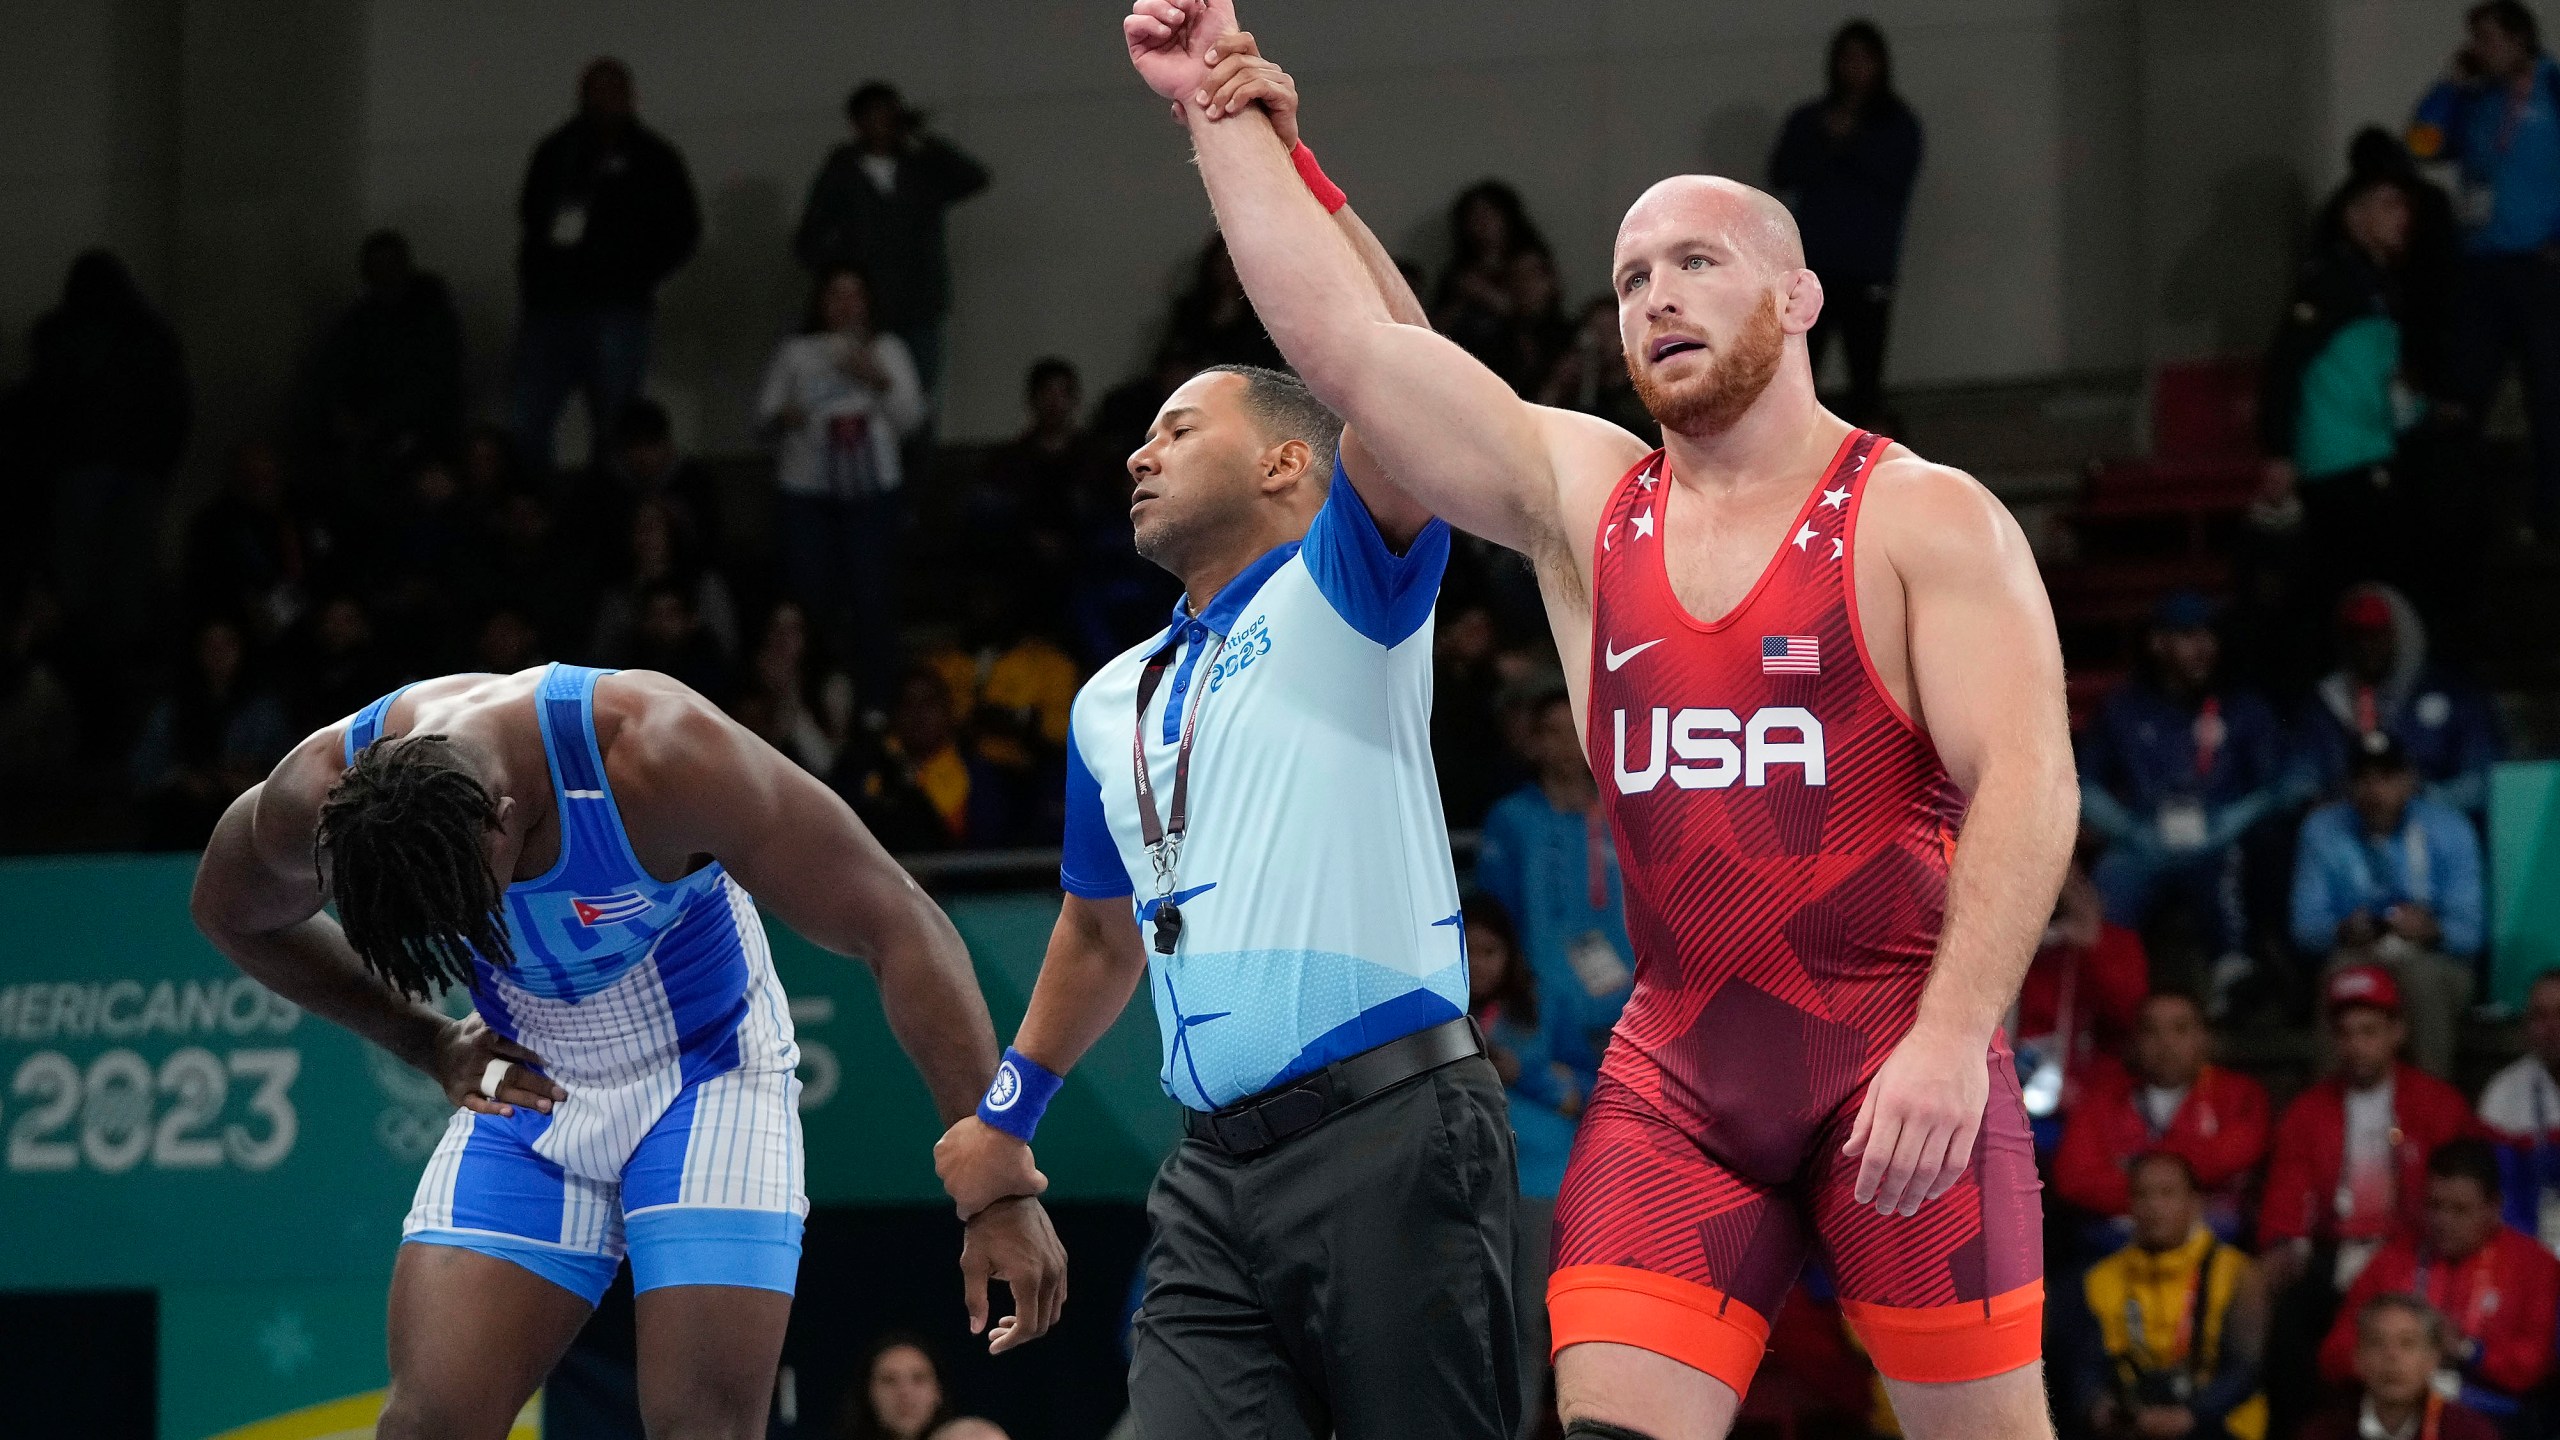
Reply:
x=2524, y=875
x=166, y=1123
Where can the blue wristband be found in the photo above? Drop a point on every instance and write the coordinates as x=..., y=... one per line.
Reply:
x=1022, y=1090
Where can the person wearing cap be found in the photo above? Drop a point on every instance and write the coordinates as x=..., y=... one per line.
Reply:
x=2497, y=1290
x=2393, y=878
x=2348, y=1170
x=2520, y=1107
x=2385, y=681
x=2173, y=772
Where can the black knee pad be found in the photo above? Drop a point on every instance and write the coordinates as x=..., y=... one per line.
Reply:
x=1602, y=1430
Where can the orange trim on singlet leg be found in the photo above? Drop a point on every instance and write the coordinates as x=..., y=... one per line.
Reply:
x=1702, y=1328
x=1942, y=1344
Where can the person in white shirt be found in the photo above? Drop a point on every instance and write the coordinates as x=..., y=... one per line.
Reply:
x=839, y=401
x=2521, y=1107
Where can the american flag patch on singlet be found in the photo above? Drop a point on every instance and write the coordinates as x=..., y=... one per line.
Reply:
x=1790, y=655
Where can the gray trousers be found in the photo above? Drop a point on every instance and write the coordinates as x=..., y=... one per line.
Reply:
x=1354, y=1281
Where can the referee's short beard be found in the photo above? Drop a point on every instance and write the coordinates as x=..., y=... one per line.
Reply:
x=1179, y=533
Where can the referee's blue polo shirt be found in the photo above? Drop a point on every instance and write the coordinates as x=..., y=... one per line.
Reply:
x=1319, y=905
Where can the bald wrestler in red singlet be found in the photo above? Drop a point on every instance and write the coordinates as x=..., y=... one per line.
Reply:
x=1820, y=688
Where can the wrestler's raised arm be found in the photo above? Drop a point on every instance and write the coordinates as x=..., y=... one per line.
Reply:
x=1447, y=430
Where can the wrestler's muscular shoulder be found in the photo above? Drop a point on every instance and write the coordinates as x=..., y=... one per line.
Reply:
x=1920, y=526
x=1588, y=456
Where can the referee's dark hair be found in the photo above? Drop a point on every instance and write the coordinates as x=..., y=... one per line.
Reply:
x=404, y=837
x=1286, y=409
x=2512, y=17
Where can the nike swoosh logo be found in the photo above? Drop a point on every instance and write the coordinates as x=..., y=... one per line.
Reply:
x=1614, y=657
x=1179, y=898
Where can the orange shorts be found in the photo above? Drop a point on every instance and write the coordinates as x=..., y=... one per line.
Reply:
x=1663, y=1246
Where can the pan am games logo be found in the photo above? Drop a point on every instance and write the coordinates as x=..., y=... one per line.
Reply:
x=414, y=1120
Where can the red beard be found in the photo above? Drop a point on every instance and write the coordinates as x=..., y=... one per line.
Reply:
x=1709, y=403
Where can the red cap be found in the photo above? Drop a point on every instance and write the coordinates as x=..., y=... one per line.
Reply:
x=2365, y=610
x=2361, y=985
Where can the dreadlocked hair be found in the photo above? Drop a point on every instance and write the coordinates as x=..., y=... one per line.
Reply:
x=401, y=843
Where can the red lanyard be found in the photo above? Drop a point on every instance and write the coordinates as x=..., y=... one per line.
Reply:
x=2467, y=1275
x=1164, y=837
x=2368, y=711
x=2209, y=733
x=1597, y=855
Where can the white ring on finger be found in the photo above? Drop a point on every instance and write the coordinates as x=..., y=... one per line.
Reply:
x=490, y=1078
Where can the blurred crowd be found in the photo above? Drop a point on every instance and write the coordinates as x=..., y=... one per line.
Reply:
x=2283, y=804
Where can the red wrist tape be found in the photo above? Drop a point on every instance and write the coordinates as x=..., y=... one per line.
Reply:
x=1327, y=194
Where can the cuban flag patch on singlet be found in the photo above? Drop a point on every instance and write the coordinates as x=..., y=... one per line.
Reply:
x=609, y=909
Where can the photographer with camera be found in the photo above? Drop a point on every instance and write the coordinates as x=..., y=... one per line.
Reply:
x=2179, y=1320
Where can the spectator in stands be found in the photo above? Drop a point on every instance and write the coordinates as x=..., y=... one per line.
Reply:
x=2079, y=1004
x=837, y=400
x=2174, y=771
x=2386, y=682
x=2428, y=268
x=1546, y=1105
x=2521, y=1109
x=2180, y=1318
x=1478, y=302
x=1213, y=320
x=552, y=584
x=1041, y=490
x=878, y=206
x=1591, y=373
x=1474, y=765
x=2173, y=1102
x=390, y=370
x=2350, y=1153
x=968, y=1427
x=108, y=408
x=638, y=461
x=506, y=643
x=2497, y=117
x=664, y=555
x=919, y=785
x=1539, y=333
x=899, y=1396
x=2389, y=877
x=668, y=635
x=2332, y=403
x=1846, y=164
x=607, y=213
x=253, y=551
x=334, y=663
x=1548, y=858
x=39, y=726
x=2498, y=1291
x=2400, y=1348
x=215, y=734
x=1013, y=685
x=785, y=699
x=430, y=562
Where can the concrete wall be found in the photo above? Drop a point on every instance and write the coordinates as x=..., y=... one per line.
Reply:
x=2107, y=182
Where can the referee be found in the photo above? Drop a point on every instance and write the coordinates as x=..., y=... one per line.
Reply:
x=1253, y=825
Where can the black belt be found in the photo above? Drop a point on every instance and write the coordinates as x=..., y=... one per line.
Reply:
x=1253, y=1125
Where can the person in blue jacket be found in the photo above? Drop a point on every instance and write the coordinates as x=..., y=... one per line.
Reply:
x=1845, y=164
x=2388, y=876
x=1548, y=858
x=2173, y=772
x=1546, y=1098
x=2497, y=117
x=2385, y=682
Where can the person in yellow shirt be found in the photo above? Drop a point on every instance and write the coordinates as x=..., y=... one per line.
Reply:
x=2179, y=1322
